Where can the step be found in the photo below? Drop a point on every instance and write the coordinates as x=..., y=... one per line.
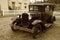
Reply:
x=25, y=29
x=48, y=24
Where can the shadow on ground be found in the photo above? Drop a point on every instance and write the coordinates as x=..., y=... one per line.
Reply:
x=6, y=33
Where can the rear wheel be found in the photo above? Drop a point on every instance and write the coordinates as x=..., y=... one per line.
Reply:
x=51, y=20
x=54, y=18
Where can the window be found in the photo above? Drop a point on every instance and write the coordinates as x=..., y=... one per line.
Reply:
x=31, y=7
x=25, y=7
x=25, y=3
x=35, y=8
x=19, y=3
x=13, y=2
x=13, y=6
x=47, y=8
x=19, y=6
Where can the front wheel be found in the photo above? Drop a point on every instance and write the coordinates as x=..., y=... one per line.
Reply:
x=37, y=29
x=14, y=27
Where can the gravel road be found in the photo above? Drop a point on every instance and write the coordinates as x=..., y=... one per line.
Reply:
x=6, y=33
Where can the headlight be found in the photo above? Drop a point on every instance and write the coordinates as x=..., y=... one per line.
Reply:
x=17, y=16
x=29, y=17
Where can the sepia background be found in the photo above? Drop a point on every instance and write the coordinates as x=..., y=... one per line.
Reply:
x=21, y=6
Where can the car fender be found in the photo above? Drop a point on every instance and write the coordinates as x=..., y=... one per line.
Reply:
x=36, y=22
x=14, y=18
x=53, y=18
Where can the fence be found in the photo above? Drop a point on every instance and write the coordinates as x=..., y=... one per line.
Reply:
x=10, y=12
x=57, y=14
x=14, y=12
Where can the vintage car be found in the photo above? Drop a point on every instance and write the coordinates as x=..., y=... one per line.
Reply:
x=39, y=18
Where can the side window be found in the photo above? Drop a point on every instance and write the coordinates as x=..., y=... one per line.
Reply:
x=51, y=9
x=31, y=7
x=47, y=9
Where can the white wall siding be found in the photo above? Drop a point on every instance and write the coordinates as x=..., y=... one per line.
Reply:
x=9, y=12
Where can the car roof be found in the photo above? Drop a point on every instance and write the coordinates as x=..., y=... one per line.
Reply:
x=42, y=4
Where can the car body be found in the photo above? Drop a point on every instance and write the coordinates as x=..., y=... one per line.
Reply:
x=40, y=17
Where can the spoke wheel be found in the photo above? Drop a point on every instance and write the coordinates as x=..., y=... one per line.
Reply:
x=14, y=27
x=37, y=30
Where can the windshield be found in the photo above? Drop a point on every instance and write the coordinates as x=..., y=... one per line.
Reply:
x=33, y=8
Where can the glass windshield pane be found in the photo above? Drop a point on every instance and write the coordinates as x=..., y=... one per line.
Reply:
x=35, y=8
x=47, y=8
x=31, y=7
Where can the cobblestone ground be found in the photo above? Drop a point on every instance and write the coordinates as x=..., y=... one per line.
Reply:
x=6, y=33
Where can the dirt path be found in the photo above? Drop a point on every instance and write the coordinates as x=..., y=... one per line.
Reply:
x=6, y=33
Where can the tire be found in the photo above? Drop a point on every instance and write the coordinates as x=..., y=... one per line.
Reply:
x=54, y=18
x=37, y=30
x=50, y=20
x=13, y=27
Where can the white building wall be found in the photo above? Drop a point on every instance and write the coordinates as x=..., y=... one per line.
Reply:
x=4, y=4
x=22, y=3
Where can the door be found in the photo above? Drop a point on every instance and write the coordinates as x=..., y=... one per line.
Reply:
x=46, y=14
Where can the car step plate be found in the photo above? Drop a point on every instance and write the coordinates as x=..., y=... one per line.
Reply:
x=25, y=29
x=48, y=25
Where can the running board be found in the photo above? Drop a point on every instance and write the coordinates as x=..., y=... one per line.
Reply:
x=25, y=29
x=48, y=24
